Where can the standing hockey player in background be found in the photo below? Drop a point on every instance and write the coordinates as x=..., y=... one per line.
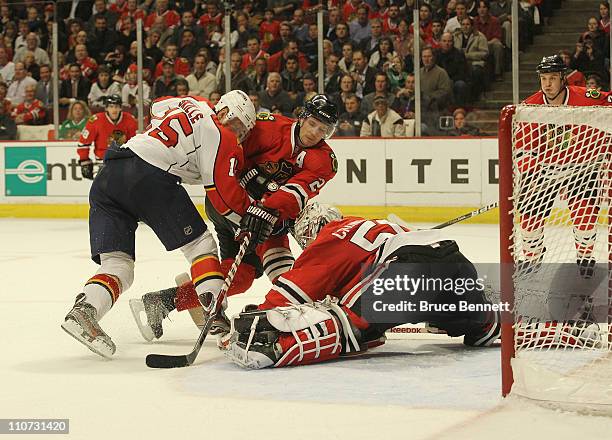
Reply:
x=141, y=182
x=112, y=125
x=287, y=162
x=556, y=159
x=342, y=259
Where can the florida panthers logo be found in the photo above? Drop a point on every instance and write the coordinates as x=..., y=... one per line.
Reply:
x=118, y=136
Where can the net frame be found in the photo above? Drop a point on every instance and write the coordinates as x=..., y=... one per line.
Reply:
x=599, y=118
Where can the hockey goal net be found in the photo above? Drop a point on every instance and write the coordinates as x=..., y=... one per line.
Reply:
x=555, y=170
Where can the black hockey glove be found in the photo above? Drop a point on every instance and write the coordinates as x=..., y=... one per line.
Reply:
x=86, y=169
x=257, y=183
x=259, y=221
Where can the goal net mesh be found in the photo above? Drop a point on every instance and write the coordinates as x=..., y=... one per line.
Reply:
x=561, y=253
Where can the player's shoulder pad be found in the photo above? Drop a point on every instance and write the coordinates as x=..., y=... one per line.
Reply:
x=265, y=116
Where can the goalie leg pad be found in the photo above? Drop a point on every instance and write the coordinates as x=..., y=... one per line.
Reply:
x=290, y=336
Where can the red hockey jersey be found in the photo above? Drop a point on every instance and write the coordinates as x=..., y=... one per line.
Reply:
x=336, y=263
x=101, y=131
x=272, y=147
x=559, y=145
x=32, y=113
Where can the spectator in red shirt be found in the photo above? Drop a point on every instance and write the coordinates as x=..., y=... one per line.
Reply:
x=212, y=18
x=31, y=111
x=436, y=34
x=88, y=65
x=131, y=10
x=391, y=21
x=574, y=77
x=276, y=62
x=425, y=17
x=349, y=11
x=181, y=65
x=490, y=27
x=253, y=53
x=269, y=29
x=171, y=18
x=604, y=17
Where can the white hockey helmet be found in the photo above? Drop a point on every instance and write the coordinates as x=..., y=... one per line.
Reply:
x=311, y=220
x=239, y=106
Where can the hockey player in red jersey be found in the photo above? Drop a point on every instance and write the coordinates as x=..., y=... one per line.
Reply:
x=287, y=162
x=540, y=165
x=140, y=181
x=319, y=309
x=112, y=125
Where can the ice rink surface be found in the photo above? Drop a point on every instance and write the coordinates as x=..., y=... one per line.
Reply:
x=429, y=387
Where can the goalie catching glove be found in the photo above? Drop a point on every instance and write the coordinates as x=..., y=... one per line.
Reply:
x=259, y=221
x=290, y=336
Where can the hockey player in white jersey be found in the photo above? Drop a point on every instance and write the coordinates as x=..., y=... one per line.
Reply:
x=185, y=142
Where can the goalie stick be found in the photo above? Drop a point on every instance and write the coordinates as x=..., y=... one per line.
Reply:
x=398, y=220
x=177, y=361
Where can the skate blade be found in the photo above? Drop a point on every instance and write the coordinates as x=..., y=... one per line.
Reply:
x=137, y=308
x=97, y=346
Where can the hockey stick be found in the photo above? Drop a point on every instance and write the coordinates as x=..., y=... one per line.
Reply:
x=177, y=361
x=396, y=219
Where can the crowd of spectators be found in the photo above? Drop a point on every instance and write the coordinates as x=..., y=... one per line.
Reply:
x=368, y=56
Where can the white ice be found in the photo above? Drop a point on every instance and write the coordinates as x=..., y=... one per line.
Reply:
x=423, y=388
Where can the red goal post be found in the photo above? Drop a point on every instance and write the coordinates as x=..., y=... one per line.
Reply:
x=554, y=190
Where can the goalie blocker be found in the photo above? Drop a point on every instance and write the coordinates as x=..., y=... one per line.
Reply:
x=300, y=324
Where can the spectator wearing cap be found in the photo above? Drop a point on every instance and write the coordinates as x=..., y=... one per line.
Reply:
x=76, y=87
x=129, y=92
x=169, y=16
x=201, y=82
x=491, y=29
x=360, y=28
x=102, y=88
x=17, y=89
x=239, y=78
x=31, y=45
x=165, y=84
x=349, y=122
x=453, y=61
x=181, y=65
x=573, y=77
x=274, y=97
x=31, y=111
x=383, y=121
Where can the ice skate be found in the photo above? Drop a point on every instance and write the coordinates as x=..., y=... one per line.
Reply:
x=82, y=324
x=485, y=335
x=156, y=306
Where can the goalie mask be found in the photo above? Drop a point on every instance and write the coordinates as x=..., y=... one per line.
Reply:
x=240, y=107
x=311, y=220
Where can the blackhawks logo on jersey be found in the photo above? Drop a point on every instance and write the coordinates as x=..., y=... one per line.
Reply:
x=265, y=116
x=118, y=136
x=279, y=171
